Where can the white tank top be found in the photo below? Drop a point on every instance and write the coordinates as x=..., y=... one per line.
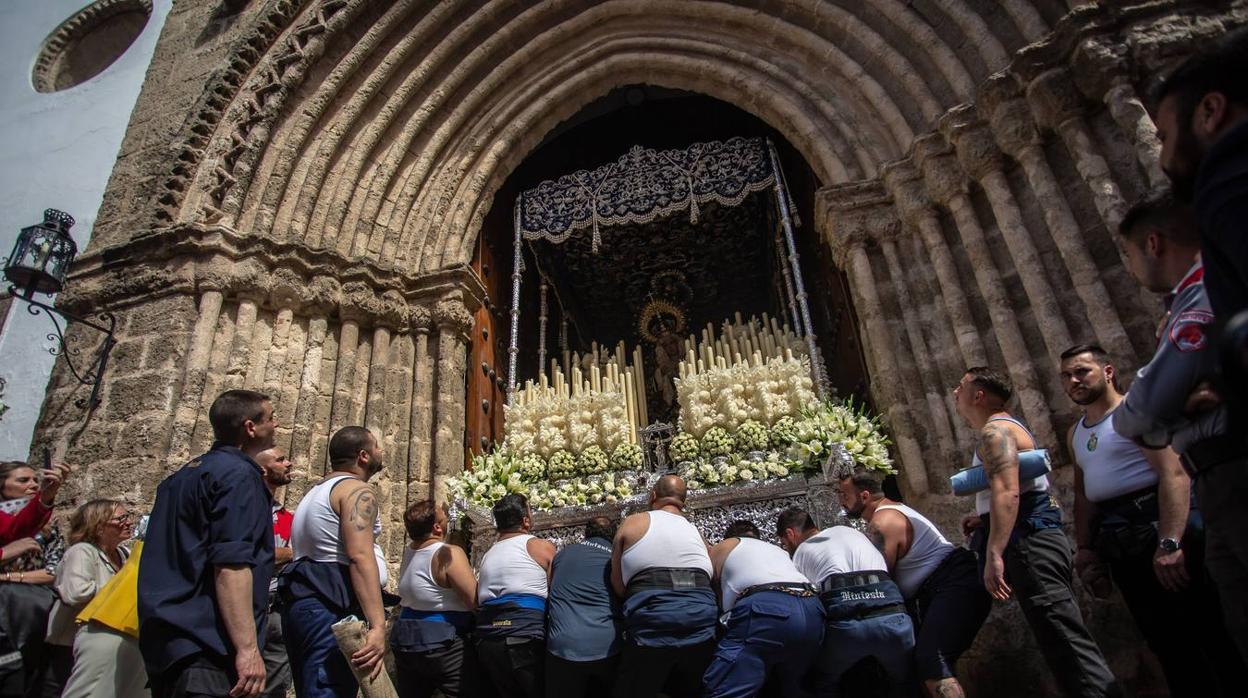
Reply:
x=751, y=563
x=1112, y=464
x=670, y=541
x=837, y=550
x=316, y=531
x=927, y=550
x=417, y=587
x=983, y=499
x=508, y=568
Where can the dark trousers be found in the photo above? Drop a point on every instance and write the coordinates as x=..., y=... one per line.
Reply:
x=58, y=664
x=276, y=663
x=1222, y=495
x=677, y=671
x=1184, y=630
x=769, y=634
x=1038, y=568
x=568, y=679
x=196, y=676
x=512, y=665
x=948, y=611
x=866, y=656
x=319, y=668
x=452, y=669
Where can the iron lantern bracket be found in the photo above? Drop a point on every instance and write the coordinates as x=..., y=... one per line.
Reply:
x=91, y=373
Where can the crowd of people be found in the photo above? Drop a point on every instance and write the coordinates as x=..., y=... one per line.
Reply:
x=229, y=593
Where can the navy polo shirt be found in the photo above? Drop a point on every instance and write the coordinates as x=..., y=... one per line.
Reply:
x=215, y=510
x=582, y=615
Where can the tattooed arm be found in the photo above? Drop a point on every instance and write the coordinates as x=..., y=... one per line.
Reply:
x=357, y=511
x=999, y=452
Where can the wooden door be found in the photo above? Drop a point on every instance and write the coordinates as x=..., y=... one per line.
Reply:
x=487, y=359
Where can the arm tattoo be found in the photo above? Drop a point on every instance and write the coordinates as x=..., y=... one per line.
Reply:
x=876, y=536
x=998, y=449
x=363, y=509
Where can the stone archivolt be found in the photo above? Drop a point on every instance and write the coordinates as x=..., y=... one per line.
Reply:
x=309, y=232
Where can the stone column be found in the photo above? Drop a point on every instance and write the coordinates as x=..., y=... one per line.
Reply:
x=1101, y=69
x=420, y=458
x=915, y=208
x=980, y=158
x=454, y=321
x=928, y=374
x=850, y=215
x=1012, y=125
x=194, y=376
x=1058, y=106
x=945, y=184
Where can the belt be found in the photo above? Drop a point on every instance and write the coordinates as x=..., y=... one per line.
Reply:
x=667, y=578
x=852, y=579
x=798, y=589
x=1142, y=501
x=1213, y=451
x=882, y=611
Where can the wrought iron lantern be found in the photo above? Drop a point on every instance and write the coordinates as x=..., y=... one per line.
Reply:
x=38, y=264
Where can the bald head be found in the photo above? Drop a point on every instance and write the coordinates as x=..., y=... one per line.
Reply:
x=670, y=489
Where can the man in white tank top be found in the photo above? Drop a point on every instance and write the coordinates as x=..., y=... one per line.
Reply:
x=940, y=582
x=438, y=593
x=336, y=572
x=774, y=620
x=1020, y=541
x=512, y=586
x=868, y=637
x=660, y=566
x=1132, y=517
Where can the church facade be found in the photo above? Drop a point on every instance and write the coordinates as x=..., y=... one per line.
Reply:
x=301, y=194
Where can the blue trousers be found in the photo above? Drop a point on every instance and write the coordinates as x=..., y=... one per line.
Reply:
x=320, y=670
x=770, y=633
x=864, y=653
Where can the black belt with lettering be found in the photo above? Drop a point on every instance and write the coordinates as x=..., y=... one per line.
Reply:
x=1213, y=451
x=852, y=579
x=668, y=578
x=798, y=589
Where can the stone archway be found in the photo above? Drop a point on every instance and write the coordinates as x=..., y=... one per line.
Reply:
x=309, y=230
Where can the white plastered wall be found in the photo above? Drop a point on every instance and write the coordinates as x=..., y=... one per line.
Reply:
x=56, y=151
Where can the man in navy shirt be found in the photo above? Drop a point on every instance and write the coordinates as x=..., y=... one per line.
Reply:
x=204, y=583
x=583, y=635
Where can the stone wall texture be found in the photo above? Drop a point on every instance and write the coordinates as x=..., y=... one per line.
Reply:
x=302, y=183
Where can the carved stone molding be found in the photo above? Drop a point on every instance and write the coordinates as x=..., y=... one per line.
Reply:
x=910, y=199
x=855, y=215
x=1054, y=99
x=972, y=141
x=942, y=176
x=450, y=313
x=1002, y=104
x=194, y=258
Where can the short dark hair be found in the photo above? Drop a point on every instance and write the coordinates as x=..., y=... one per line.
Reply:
x=741, y=528
x=346, y=443
x=231, y=410
x=600, y=527
x=992, y=381
x=864, y=479
x=1098, y=353
x=794, y=517
x=1219, y=67
x=509, y=512
x=1162, y=214
x=420, y=518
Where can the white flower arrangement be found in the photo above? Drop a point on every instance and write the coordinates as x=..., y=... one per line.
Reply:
x=716, y=442
x=561, y=465
x=592, y=461
x=752, y=436
x=729, y=397
x=626, y=456
x=683, y=447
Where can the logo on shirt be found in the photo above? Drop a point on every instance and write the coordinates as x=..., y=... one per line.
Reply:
x=1092, y=441
x=1187, y=332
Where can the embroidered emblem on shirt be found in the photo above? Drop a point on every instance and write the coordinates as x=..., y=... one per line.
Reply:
x=1187, y=332
x=1092, y=442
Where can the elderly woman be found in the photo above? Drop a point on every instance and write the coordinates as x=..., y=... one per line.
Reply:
x=97, y=531
x=31, y=549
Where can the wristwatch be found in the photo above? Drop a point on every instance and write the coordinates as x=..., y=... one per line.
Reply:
x=1168, y=544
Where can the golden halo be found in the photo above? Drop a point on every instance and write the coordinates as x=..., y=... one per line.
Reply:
x=655, y=309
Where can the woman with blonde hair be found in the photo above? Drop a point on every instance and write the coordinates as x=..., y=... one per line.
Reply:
x=97, y=531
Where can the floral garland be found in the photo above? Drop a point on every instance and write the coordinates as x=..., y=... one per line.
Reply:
x=564, y=480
